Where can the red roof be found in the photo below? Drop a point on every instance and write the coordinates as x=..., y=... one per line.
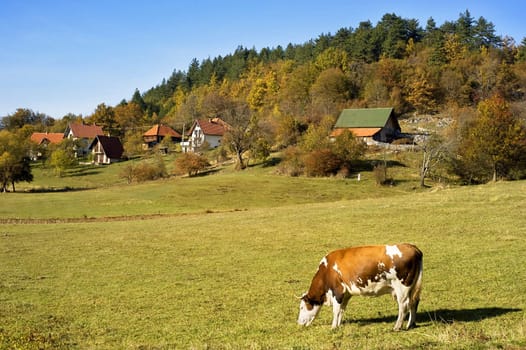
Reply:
x=161, y=130
x=85, y=131
x=51, y=137
x=214, y=126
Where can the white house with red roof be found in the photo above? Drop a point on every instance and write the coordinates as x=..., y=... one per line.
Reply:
x=84, y=134
x=205, y=131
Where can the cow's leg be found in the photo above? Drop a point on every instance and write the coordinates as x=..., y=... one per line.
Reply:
x=402, y=297
x=412, y=314
x=401, y=315
x=338, y=308
x=337, y=312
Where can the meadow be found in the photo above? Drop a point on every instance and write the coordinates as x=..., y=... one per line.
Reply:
x=216, y=262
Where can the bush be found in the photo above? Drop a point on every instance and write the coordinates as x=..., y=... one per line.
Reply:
x=291, y=164
x=190, y=163
x=322, y=163
x=144, y=171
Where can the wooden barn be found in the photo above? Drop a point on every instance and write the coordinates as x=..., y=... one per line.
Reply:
x=371, y=124
x=157, y=133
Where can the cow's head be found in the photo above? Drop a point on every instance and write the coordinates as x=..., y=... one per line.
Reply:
x=308, y=310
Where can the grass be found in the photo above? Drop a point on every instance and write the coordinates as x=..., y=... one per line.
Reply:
x=101, y=193
x=225, y=274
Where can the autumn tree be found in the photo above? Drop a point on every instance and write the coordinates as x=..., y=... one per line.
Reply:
x=330, y=91
x=435, y=150
x=133, y=143
x=14, y=160
x=62, y=156
x=104, y=116
x=294, y=94
x=521, y=51
x=190, y=163
x=348, y=148
x=421, y=93
x=24, y=116
x=493, y=145
x=241, y=132
x=127, y=117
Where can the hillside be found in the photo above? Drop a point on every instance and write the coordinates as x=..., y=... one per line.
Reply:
x=98, y=192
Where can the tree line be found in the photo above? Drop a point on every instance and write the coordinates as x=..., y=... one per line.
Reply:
x=283, y=98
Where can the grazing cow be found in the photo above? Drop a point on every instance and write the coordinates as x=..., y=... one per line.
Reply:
x=369, y=271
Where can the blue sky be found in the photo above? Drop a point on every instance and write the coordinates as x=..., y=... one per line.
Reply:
x=68, y=56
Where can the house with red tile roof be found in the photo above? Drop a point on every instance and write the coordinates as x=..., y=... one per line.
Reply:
x=157, y=133
x=84, y=134
x=106, y=149
x=371, y=124
x=82, y=131
x=205, y=131
x=43, y=139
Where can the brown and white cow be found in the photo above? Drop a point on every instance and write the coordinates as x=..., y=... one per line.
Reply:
x=369, y=271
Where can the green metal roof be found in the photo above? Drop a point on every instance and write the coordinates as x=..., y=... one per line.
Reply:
x=363, y=118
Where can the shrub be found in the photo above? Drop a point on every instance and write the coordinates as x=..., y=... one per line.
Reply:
x=291, y=164
x=322, y=163
x=144, y=171
x=190, y=163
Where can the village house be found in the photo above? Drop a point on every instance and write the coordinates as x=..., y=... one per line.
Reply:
x=42, y=140
x=84, y=135
x=371, y=124
x=106, y=149
x=205, y=132
x=158, y=133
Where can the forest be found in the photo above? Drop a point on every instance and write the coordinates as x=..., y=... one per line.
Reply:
x=288, y=98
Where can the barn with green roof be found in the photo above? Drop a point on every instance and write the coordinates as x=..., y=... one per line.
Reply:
x=371, y=124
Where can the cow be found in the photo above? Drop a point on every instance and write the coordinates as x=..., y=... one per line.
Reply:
x=369, y=271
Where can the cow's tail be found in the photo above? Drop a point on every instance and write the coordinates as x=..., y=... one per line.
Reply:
x=417, y=286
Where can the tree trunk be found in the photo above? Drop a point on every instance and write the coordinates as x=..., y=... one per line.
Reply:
x=240, y=164
x=424, y=169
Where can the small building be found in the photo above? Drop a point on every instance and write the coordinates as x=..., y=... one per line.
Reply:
x=42, y=140
x=157, y=133
x=84, y=134
x=45, y=138
x=106, y=149
x=209, y=131
x=371, y=124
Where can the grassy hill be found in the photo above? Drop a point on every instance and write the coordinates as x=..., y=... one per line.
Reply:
x=99, y=192
x=221, y=265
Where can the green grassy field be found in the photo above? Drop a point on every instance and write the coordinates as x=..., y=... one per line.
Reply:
x=221, y=270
